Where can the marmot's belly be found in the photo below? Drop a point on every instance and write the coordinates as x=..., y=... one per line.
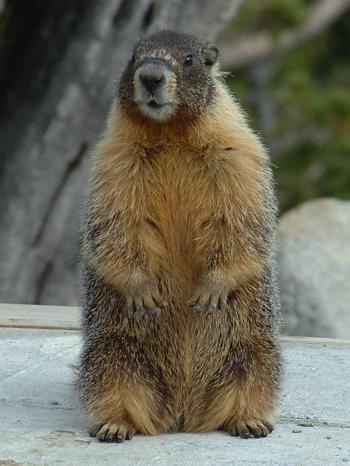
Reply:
x=174, y=252
x=193, y=345
x=194, y=356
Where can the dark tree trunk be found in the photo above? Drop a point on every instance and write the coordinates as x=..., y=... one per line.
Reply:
x=57, y=76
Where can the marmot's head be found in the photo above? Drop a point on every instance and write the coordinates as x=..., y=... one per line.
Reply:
x=169, y=74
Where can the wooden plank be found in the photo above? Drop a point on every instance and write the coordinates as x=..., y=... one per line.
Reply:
x=315, y=341
x=33, y=316
x=68, y=318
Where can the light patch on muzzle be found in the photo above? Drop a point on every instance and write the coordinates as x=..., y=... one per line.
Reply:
x=155, y=89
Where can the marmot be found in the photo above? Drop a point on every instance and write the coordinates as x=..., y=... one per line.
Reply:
x=180, y=303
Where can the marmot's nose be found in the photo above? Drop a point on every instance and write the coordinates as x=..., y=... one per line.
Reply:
x=151, y=77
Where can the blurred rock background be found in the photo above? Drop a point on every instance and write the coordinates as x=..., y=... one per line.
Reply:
x=314, y=266
x=290, y=69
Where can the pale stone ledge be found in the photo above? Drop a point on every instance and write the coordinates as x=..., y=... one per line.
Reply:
x=41, y=423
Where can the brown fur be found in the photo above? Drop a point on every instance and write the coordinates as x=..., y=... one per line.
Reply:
x=180, y=210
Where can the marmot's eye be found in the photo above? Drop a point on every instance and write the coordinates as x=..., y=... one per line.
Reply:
x=188, y=60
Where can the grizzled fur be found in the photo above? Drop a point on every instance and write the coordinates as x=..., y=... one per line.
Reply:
x=180, y=304
x=174, y=48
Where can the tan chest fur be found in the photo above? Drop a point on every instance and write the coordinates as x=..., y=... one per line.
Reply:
x=181, y=198
x=174, y=194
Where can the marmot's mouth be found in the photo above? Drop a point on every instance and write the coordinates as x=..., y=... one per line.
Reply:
x=154, y=104
x=157, y=110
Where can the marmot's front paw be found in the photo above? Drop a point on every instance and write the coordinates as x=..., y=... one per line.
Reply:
x=145, y=298
x=208, y=298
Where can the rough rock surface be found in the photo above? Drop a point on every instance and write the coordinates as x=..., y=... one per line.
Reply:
x=314, y=261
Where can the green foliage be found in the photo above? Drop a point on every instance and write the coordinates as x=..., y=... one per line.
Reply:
x=271, y=15
x=309, y=92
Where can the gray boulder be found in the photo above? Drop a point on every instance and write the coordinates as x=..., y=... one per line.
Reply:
x=314, y=263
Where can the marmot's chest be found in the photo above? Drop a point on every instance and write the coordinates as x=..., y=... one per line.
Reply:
x=182, y=185
x=182, y=201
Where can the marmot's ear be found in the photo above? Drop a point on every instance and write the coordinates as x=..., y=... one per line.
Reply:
x=210, y=54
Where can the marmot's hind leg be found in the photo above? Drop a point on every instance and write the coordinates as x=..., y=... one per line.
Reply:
x=254, y=393
x=108, y=419
x=121, y=389
x=242, y=398
x=122, y=409
x=237, y=409
x=251, y=413
x=121, y=397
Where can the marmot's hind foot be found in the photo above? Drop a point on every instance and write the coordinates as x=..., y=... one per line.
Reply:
x=110, y=432
x=250, y=428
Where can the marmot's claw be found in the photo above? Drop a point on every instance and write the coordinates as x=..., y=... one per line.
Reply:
x=222, y=303
x=135, y=306
x=156, y=311
x=250, y=428
x=203, y=302
x=110, y=432
x=149, y=304
x=198, y=308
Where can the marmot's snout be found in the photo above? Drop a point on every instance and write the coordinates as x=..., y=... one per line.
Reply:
x=155, y=86
x=152, y=76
